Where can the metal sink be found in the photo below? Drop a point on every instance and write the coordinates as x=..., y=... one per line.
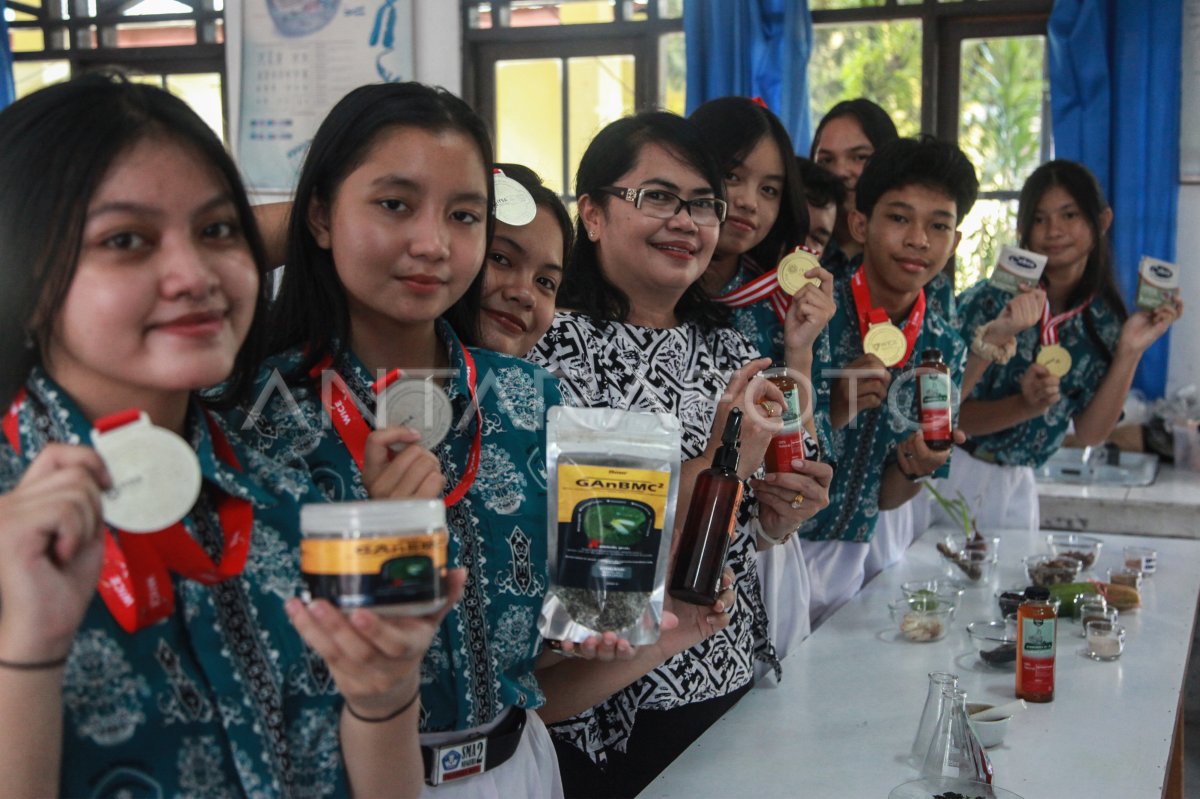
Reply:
x=1099, y=466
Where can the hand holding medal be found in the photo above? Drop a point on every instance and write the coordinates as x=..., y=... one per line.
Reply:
x=1040, y=388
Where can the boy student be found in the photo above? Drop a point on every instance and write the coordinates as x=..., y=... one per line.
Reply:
x=909, y=202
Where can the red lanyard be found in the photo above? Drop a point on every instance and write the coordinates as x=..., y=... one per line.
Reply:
x=134, y=578
x=353, y=429
x=1050, y=323
x=869, y=315
x=762, y=287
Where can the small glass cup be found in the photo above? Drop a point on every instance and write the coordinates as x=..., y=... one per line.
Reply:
x=1088, y=602
x=1105, y=639
x=1096, y=613
x=1010, y=626
x=1144, y=559
x=1129, y=577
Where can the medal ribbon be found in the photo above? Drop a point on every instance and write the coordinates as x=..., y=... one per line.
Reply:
x=353, y=428
x=869, y=315
x=1050, y=323
x=765, y=286
x=134, y=582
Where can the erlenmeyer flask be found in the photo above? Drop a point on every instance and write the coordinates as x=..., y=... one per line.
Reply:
x=954, y=750
x=930, y=715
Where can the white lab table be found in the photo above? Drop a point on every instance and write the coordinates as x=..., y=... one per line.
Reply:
x=842, y=721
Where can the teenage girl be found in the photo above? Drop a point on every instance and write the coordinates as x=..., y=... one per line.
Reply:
x=168, y=662
x=846, y=138
x=1019, y=412
x=386, y=246
x=768, y=217
x=524, y=269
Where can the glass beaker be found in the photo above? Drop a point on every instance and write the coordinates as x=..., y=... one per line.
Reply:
x=954, y=750
x=929, y=716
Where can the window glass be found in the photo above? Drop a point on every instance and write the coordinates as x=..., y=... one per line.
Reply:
x=29, y=76
x=991, y=224
x=529, y=113
x=879, y=61
x=601, y=91
x=672, y=72
x=202, y=91
x=1001, y=129
x=1000, y=108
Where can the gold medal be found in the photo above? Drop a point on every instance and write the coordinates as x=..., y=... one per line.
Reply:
x=791, y=272
x=1055, y=358
x=886, y=341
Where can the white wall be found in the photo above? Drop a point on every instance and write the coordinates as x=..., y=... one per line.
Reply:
x=1184, y=366
x=437, y=41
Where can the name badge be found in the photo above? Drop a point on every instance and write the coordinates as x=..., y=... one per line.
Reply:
x=455, y=761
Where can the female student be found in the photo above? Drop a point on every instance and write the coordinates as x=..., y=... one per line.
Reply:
x=1019, y=412
x=846, y=138
x=768, y=217
x=643, y=335
x=524, y=269
x=165, y=662
x=382, y=289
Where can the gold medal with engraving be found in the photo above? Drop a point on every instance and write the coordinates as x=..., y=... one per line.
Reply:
x=886, y=341
x=1055, y=358
x=792, y=271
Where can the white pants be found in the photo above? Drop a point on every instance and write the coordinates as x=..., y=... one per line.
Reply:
x=894, y=533
x=1000, y=497
x=836, y=571
x=786, y=589
x=531, y=772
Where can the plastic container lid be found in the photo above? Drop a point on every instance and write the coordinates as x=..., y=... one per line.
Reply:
x=389, y=517
x=1037, y=593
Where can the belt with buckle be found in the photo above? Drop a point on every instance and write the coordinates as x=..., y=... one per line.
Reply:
x=475, y=755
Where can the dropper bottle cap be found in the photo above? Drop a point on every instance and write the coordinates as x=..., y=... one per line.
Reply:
x=726, y=459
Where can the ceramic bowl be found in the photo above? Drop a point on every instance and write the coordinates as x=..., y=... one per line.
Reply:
x=989, y=733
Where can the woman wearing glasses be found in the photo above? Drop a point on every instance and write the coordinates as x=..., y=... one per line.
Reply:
x=641, y=334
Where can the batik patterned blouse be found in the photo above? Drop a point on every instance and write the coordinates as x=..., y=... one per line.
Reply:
x=481, y=660
x=1091, y=338
x=222, y=698
x=682, y=371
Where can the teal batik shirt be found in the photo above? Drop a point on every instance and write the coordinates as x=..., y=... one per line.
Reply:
x=757, y=322
x=863, y=448
x=762, y=328
x=222, y=698
x=481, y=660
x=1091, y=338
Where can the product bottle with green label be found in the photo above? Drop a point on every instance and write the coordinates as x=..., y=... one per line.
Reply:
x=933, y=400
x=704, y=540
x=1035, y=646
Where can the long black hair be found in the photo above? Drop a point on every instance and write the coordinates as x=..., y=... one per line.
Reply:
x=544, y=198
x=1098, y=279
x=732, y=127
x=876, y=125
x=56, y=147
x=310, y=309
x=613, y=152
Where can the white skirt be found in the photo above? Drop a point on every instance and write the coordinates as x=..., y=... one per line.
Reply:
x=837, y=570
x=894, y=534
x=1000, y=497
x=532, y=771
x=783, y=575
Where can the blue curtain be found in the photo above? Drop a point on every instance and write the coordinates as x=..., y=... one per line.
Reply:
x=751, y=48
x=7, y=92
x=1115, y=85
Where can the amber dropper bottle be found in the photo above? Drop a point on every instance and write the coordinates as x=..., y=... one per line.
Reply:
x=708, y=529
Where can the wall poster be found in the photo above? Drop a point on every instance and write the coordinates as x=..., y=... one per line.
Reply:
x=296, y=58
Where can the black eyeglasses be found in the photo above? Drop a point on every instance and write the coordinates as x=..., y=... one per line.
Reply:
x=662, y=204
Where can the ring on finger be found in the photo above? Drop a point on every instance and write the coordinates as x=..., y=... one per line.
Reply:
x=797, y=500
